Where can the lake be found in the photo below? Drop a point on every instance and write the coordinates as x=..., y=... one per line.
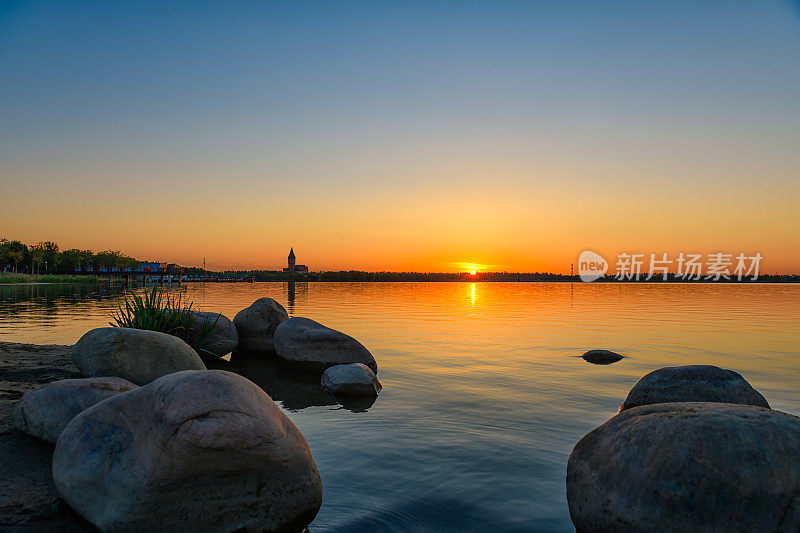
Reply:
x=484, y=390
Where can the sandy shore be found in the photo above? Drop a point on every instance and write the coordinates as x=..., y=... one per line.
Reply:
x=28, y=498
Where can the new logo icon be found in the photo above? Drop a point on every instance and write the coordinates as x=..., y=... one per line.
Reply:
x=591, y=266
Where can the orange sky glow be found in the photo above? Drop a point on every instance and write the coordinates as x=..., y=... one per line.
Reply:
x=427, y=149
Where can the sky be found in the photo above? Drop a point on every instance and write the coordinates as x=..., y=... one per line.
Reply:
x=406, y=136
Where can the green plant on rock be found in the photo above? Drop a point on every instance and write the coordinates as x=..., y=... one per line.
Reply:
x=158, y=310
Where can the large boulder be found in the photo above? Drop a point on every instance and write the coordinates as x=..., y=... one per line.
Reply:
x=693, y=466
x=693, y=383
x=221, y=337
x=308, y=345
x=356, y=379
x=138, y=355
x=200, y=451
x=256, y=325
x=46, y=411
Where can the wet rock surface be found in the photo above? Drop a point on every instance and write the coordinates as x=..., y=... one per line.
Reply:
x=256, y=325
x=140, y=356
x=221, y=336
x=307, y=345
x=356, y=379
x=203, y=450
x=45, y=412
x=601, y=357
x=693, y=383
x=693, y=466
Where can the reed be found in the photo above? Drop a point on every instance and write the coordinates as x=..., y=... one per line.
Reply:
x=158, y=310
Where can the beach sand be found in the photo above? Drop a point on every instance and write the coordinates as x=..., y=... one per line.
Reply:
x=28, y=498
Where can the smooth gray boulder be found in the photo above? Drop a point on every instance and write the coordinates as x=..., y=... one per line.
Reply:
x=693, y=383
x=310, y=346
x=256, y=325
x=601, y=357
x=356, y=379
x=693, y=466
x=46, y=411
x=192, y=451
x=220, y=340
x=138, y=355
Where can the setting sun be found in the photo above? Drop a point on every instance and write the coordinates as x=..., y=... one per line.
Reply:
x=473, y=268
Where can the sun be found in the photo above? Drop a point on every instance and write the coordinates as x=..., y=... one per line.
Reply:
x=470, y=268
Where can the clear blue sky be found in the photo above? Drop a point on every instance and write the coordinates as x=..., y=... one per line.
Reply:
x=297, y=122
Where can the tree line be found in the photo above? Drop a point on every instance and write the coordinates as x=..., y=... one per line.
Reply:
x=46, y=258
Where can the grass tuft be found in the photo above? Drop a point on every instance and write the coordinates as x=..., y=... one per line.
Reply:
x=157, y=310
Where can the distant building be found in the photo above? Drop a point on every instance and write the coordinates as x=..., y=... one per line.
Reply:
x=143, y=267
x=293, y=267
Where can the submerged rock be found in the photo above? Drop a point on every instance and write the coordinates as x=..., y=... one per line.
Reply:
x=355, y=379
x=292, y=389
x=221, y=339
x=693, y=383
x=691, y=466
x=308, y=345
x=195, y=450
x=601, y=357
x=256, y=325
x=140, y=356
x=46, y=411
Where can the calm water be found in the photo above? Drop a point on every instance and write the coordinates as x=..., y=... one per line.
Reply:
x=484, y=395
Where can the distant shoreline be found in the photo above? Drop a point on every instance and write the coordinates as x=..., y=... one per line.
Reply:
x=7, y=278
x=417, y=277
x=565, y=281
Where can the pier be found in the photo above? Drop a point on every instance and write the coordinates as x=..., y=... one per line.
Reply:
x=154, y=273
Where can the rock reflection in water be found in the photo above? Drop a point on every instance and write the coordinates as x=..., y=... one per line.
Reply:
x=293, y=389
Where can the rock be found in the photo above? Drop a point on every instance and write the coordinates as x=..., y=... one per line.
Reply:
x=693, y=466
x=355, y=379
x=256, y=325
x=601, y=357
x=221, y=340
x=195, y=450
x=46, y=411
x=138, y=355
x=292, y=389
x=308, y=345
x=693, y=383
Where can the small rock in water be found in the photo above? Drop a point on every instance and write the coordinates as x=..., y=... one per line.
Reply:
x=693, y=383
x=601, y=357
x=308, y=345
x=195, y=450
x=221, y=340
x=256, y=325
x=355, y=379
x=138, y=355
x=46, y=411
x=690, y=466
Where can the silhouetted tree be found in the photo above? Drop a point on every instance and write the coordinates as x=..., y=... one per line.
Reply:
x=13, y=252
